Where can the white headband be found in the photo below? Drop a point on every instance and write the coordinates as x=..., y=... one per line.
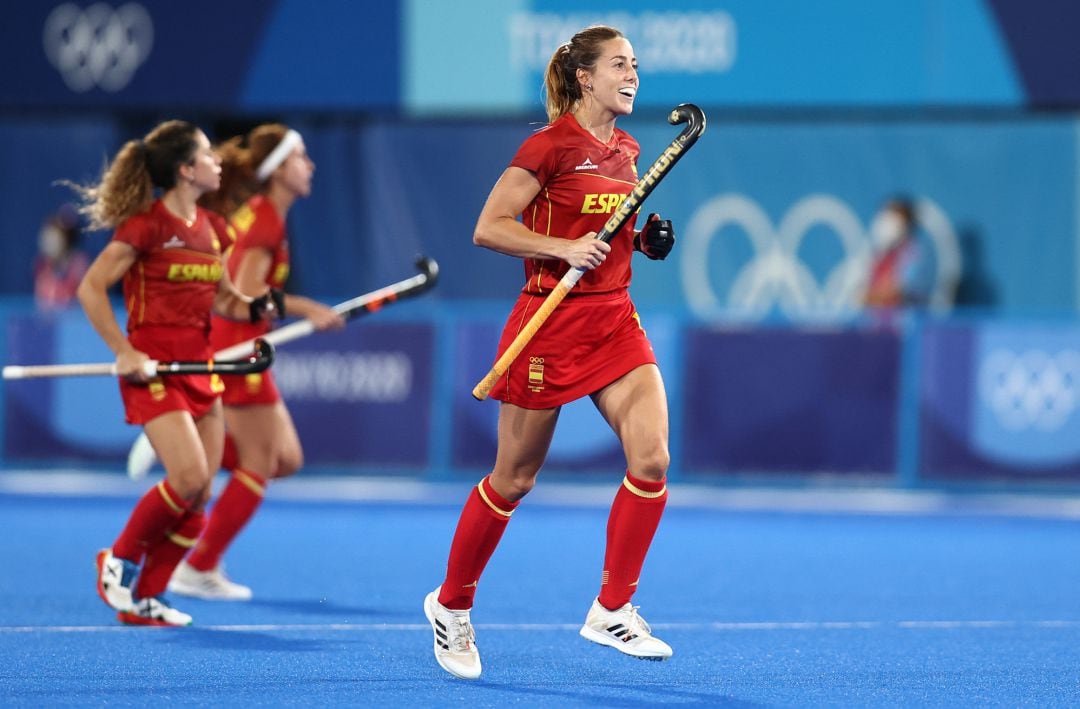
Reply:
x=277, y=155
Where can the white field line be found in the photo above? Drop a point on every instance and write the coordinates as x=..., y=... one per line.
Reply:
x=717, y=626
x=689, y=495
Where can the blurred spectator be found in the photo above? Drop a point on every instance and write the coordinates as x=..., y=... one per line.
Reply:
x=902, y=274
x=60, y=263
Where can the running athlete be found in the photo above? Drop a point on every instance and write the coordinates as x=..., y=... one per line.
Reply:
x=168, y=253
x=263, y=174
x=564, y=183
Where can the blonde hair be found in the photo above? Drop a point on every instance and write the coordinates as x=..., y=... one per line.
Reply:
x=127, y=184
x=561, y=88
x=240, y=159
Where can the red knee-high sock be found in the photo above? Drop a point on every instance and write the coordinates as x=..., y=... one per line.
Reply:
x=241, y=497
x=229, y=458
x=159, y=510
x=634, y=517
x=481, y=525
x=163, y=557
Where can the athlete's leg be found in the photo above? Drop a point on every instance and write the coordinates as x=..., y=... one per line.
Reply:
x=176, y=437
x=165, y=554
x=635, y=406
x=253, y=429
x=524, y=439
x=290, y=454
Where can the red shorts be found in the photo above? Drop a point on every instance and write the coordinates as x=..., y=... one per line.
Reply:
x=588, y=342
x=194, y=393
x=242, y=390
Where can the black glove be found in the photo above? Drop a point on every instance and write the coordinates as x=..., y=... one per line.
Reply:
x=656, y=238
x=270, y=305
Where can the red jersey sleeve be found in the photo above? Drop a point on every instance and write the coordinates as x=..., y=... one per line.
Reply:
x=537, y=156
x=136, y=233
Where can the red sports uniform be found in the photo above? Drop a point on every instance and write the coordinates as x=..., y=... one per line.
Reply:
x=169, y=293
x=594, y=336
x=256, y=225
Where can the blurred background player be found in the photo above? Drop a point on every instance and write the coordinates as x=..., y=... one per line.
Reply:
x=60, y=263
x=168, y=253
x=263, y=173
x=593, y=344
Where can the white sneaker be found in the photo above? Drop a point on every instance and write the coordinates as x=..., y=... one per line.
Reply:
x=141, y=458
x=624, y=630
x=153, y=611
x=211, y=585
x=115, y=579
x=455, y=640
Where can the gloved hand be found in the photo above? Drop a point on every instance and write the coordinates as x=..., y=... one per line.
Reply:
x=656, y=238
x=268, y=306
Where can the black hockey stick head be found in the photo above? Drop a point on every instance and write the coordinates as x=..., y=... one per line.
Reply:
x=693, y=116
x=259, y=361
x=262, y=358
x=429, y=268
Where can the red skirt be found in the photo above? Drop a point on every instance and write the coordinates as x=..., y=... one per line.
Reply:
x=248, y=389
x=194, y=393
x=588, y=342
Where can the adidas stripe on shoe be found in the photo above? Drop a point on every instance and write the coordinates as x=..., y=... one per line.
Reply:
x=455, y=640
x=624, y=630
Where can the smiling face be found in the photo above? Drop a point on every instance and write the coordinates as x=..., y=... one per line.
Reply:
x=614, y=78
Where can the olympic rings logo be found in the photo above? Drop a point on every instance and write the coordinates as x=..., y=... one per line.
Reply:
x=777, y=276
x=98, y=46
x=1030, y=390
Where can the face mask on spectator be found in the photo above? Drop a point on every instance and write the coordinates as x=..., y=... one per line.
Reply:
x=50, y=242
x=887, y=230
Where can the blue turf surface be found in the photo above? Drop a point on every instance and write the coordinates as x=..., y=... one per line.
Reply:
x=762, y=608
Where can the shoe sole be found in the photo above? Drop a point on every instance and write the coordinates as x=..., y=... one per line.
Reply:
x=182, y=589
x=599, y=638
x=132, y=619
x=99, y=562
x=428, y=601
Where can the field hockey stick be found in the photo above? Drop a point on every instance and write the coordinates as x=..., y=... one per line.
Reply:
x=355, y=307
x=684, y=113
x=258, y=361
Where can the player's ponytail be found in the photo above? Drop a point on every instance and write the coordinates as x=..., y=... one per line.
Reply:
x=127, y=184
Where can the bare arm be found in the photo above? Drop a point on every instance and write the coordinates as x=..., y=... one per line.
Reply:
x=232, y=300
x=251, y=277
x=322, y=316
x=108, y=268
x=498, y=228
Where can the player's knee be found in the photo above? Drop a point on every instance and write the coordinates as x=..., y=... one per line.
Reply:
x=520, y=487
x=653, y=465
x=289, y=463
x=190, y=481
x=516, y=484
